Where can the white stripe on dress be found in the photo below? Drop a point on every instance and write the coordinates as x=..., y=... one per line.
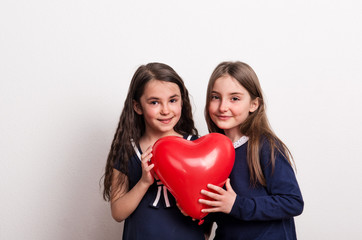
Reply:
x=136, y=149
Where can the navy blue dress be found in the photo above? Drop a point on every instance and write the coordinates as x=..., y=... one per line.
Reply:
x=157, y=216
x=263, y=213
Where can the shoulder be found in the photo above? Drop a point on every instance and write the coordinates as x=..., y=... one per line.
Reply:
x=271, y=148
x=270, y=143
x=265, y=144
x=124, y=165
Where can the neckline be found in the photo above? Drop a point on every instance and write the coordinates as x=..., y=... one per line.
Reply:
x=138, y=150
x=240, y=141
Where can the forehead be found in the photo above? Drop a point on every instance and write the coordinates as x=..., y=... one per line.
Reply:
x=228, y=84
x=157, y=87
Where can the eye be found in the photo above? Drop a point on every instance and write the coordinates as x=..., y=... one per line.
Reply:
x=214, y=97
x=173, y=100
x=154, y=103
x=235, y=99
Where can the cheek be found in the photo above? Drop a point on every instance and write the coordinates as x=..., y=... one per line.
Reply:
x=242, y=112
x=150, y=112
x=212, y=107
x=212, y=111
x=178, y=109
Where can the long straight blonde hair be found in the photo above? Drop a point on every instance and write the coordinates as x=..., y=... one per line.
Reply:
x=256, y=126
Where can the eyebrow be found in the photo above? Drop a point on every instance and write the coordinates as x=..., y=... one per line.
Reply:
x=156, y=98
x=176, y=95
x=233, y=93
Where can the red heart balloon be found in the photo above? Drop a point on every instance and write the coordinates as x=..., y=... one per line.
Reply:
x=185, y=167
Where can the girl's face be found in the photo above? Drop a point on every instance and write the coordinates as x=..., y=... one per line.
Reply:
x=161, y=106
x=230, y=105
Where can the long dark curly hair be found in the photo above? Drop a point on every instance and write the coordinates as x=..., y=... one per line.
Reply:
x=132, y=126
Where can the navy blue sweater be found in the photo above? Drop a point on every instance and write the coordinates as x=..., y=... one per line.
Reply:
x=261, y=212
x=153, y=219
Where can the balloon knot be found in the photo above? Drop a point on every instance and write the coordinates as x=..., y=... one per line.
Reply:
x=201, y=221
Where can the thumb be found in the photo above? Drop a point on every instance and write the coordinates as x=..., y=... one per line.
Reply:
x=228, y=185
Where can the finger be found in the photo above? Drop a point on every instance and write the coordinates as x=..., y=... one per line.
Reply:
x=185, y=214
x=210, y=194
x=150, y=157
x=148, y=151
x=149, y=167
x=228, y=185
x=146, y=158
x=210, y=210
x=209, y=203
x=216, y=188
x=145, y=154
x=149, y=148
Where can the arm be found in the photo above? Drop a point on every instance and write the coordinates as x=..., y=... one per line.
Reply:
x=284, y=199
x=124, y=202
x=281, y=200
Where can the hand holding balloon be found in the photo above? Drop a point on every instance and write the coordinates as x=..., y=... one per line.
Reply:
x=222, y=200
x=147, y=177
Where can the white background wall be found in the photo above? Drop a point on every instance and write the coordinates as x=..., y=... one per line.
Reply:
x=65, y=67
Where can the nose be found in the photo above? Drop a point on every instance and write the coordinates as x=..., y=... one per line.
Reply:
x=224, y=106
x=165, y=110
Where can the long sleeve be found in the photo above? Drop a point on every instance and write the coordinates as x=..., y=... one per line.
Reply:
x=280, y=199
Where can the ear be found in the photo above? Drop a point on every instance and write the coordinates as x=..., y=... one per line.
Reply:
x=254, y=104
x=137, y=107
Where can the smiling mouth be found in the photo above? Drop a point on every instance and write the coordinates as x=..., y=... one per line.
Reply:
x=165, y=121
x=221, y=117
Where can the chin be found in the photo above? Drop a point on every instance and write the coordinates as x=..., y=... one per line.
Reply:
x=166, y=129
